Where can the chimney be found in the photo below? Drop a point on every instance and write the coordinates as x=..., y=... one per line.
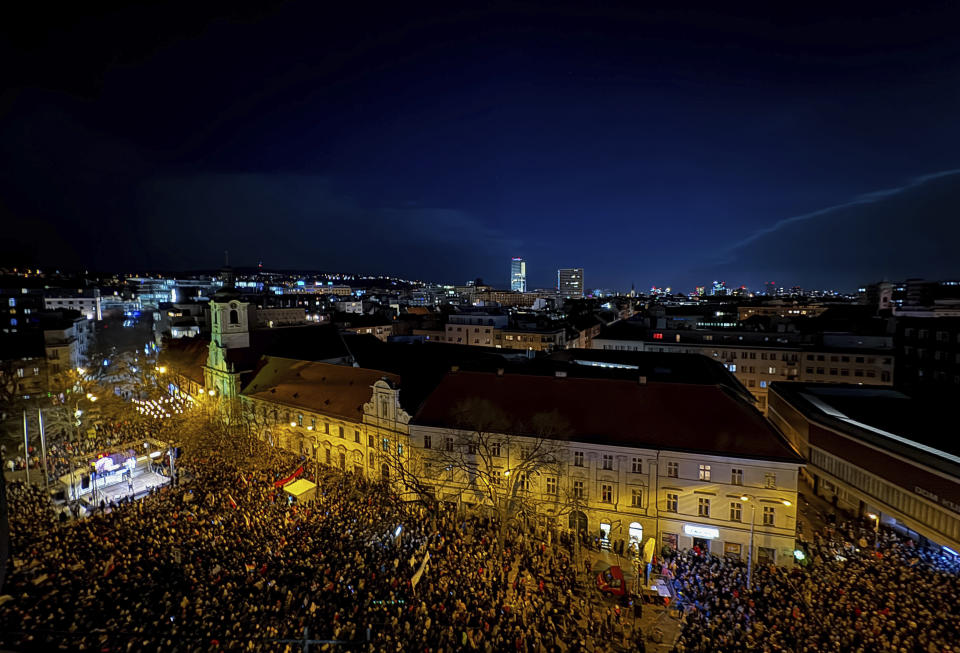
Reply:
x=643, y=380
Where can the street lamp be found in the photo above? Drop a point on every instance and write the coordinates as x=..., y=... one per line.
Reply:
x=876, y=528
x=752, y=499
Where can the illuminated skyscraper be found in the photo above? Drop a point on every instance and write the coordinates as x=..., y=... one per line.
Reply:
x=518, y=274
x=570, y=282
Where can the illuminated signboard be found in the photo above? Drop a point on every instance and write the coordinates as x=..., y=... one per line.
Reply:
x=701, y=531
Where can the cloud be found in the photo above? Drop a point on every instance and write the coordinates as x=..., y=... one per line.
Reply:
x=866, y=198
x=294, y=220
x=895, y=233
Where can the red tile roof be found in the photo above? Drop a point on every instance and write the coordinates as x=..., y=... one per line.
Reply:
x=669, y=416
x=335, y=390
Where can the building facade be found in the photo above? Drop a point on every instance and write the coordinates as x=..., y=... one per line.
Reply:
x=879, y=452
x=570, y=282
x=518, y=274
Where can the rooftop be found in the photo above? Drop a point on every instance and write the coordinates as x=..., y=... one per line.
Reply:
x=335, y=390
x=921, y=427
x=666, y=416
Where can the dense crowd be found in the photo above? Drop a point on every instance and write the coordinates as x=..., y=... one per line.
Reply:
x=225, y=561
x=856, y=594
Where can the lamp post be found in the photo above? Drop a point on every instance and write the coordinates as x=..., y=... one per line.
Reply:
x=752, y=499
x=876, y=528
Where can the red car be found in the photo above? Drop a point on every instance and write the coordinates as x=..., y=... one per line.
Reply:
x=611, y=582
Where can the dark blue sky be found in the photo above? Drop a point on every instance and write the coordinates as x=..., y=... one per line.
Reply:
x=653, y=146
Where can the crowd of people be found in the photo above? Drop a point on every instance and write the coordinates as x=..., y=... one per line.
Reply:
x=225, y=561
x=860, y=592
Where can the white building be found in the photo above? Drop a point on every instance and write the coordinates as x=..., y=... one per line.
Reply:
x=85, y=301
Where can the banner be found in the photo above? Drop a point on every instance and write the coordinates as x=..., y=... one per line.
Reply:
x=423, y=568
x=286, y=480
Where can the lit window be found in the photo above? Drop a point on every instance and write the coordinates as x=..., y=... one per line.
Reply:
x=551, y=485
x=673, y=470
x=636, y=498
x=578, y=459
x=770, y=480
x=736, y=476
x=704, y=472
x=607, y=461
x=606, y=493
x=578, y=489
x=637, y=467
x=385, y=444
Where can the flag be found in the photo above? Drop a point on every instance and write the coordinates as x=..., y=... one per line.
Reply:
x=249, y=568
x=108, y=567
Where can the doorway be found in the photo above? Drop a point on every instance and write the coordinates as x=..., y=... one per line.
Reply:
x=702, y=543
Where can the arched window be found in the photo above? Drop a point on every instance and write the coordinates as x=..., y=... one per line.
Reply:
x=385, y=471
x=636, y=533
x=234, y=316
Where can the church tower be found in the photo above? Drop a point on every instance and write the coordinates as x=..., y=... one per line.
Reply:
x=229, y=330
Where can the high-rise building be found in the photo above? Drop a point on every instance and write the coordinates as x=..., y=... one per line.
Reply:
x=570, y=282
x=770, y=288
x=719, y=288
x=518, y=274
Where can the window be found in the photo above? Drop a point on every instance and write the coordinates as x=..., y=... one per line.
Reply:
x=341, y=431
x=356, y=435
x=606, y=493
x=636, y=498
x=770, y=480
x=385, y=471
x=299, y=420
x=448, y=443
x=736, y=476
x=343, y=460
x=12, y=301
x=763, y=384
x=704, y=472
x=578, y=489
x=736, y=511
x=607, y=461
x=637, y=467
x=399, y=448
x=427, y=442
x=673, y=470
x=385, y=444
x=771, y=370
x=578, y=459
x=703, y=507
x=472, y=448
x=495, y=477
x=326, y=428
x=551, y=485
x=672, y=501
x=523, y=481
x=495, y=449
x=327, y=456
x=768, y=515
x=370, y=440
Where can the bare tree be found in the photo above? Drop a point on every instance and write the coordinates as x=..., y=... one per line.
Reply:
x=497, y=461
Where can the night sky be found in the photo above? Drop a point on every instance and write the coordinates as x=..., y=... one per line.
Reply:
x=654, y=146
